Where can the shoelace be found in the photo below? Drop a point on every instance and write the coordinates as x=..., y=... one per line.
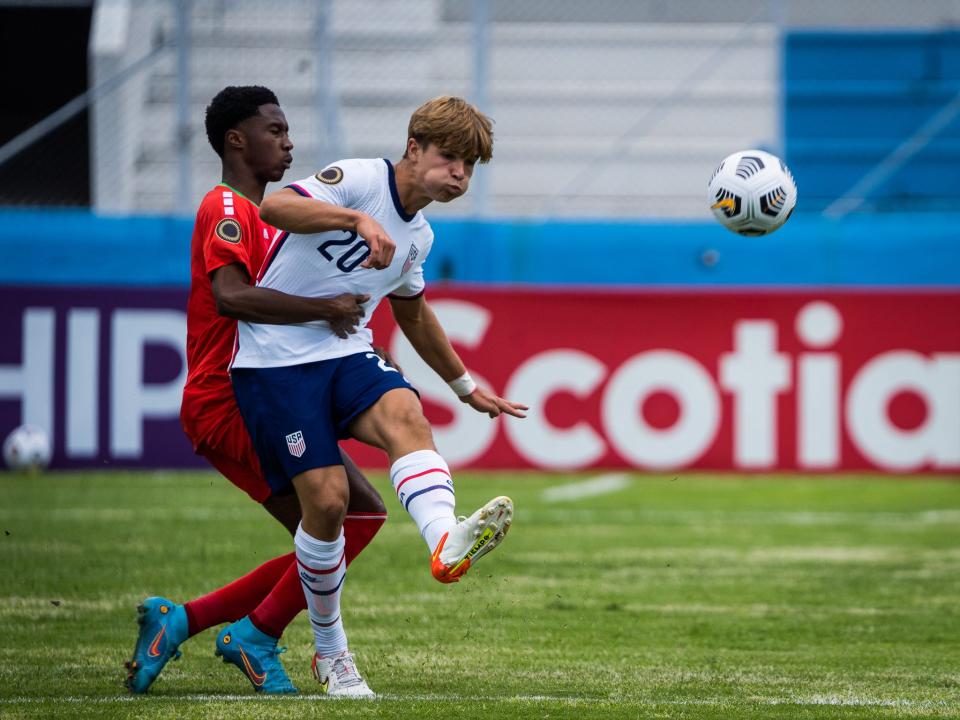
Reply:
x=276, y=652
x=346, y=671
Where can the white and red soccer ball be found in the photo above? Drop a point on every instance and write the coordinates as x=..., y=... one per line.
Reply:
x=752, y=192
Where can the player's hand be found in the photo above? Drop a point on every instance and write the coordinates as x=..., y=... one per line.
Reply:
x=387, y=358
x=381, y=245
x=345, y=312
x=484, y=401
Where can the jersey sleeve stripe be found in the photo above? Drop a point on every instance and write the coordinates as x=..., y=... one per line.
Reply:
x=299, y=190
x=272, y=254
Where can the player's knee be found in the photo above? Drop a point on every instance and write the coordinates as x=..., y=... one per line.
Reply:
x=286, y=509
x=375, y=503
x=327, y=509
x=332, y=510
x=410, y=427
x=323, y=499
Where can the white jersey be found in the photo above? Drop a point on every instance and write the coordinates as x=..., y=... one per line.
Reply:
x=328, y=264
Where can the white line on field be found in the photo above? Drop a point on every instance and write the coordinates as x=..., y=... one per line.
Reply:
x=599, y=485
x=759, y=517
x=848, y=701
x=205, y=697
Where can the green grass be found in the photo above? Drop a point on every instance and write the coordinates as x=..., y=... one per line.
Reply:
x=697, y=597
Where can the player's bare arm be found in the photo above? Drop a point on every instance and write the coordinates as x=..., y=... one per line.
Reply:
x=237, y=298
x=294, y=213
x=419, y=324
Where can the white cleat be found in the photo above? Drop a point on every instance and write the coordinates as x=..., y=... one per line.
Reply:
x=338, y=677
x=471, y=539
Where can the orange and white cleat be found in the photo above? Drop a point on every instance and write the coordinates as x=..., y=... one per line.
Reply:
x=471, y=539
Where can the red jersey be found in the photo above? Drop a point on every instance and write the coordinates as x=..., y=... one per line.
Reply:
x=228, y=230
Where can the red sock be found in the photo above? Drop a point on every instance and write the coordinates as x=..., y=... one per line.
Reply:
x=281, y=605
x=239, y=598
x=286, y=599
x=358, y=530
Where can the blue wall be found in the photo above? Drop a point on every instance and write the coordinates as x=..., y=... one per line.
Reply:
x=852, y=98
x=78, y=248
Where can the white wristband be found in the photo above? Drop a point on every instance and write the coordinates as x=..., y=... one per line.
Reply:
x=463, y=385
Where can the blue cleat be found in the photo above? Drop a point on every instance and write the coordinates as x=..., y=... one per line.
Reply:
x=163, y=626
x=257, y=655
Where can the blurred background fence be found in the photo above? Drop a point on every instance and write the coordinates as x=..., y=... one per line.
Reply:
x=614, y=108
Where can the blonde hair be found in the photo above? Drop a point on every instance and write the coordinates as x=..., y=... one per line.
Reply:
x=454, y=126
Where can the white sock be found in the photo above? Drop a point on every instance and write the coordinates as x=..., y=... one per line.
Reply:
x=424, y=487
x=323, y=568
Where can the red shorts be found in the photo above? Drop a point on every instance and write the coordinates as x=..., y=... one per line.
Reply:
x=232, y=453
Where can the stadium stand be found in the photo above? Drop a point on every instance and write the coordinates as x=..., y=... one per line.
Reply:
x=567, y=144
x=682, y=86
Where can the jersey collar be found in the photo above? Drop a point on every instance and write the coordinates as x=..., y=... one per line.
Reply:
x=404, y=215
x=233, y=189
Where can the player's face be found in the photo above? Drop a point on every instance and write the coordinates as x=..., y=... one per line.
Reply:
x=442, y=176
x=268, y=143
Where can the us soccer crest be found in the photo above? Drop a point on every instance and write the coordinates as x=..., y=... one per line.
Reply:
x=296, y=444
x=411, y=258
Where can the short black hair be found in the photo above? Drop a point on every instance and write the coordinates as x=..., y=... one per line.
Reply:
x=233, y=105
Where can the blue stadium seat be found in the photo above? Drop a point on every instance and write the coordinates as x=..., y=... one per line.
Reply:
x=852, y=98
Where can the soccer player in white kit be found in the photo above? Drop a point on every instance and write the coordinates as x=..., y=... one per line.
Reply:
x=356, y=227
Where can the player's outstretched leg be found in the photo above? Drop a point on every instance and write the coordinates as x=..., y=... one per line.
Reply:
x=470, y=539
x=163, y=626
x=424, y=487
x=257, y=656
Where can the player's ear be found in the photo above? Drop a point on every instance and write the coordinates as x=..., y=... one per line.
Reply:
x=413, y=149
x=234, y=139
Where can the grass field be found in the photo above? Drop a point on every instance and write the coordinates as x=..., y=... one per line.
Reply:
x=691, y=597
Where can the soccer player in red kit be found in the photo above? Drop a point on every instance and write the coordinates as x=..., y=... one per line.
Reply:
x=247, y=128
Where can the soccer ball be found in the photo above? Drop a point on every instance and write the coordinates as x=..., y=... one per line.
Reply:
x=27, y=448
x=752, y=192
